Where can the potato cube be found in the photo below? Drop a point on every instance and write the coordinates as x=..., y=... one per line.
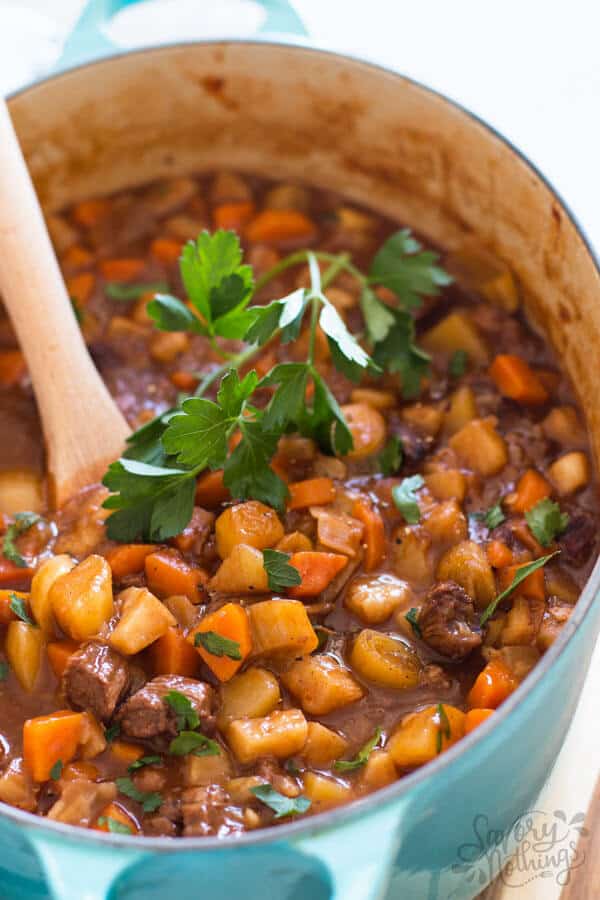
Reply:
x=143, y=620
x=250, y=523
x=424, y=416
x=16, y=786
x=385, y=659
x=323, y=745
x=411, y=554
x=468, y=565
x=569, y=473
x=374, y=598
x=324, y=792
x=562, y=424
x=446, y=523
x=197, y=771
x=457, y=332
x=320, y=684
x=480, y=447
x=23, y=647
x=378, y=772
x=41, y=583
x=242, y=572
x=252, y=694
x=93, y=738
x=283, y=733
x=462, y=409
x=447, y=484
x=424, y=734
x=82, y=599
x=21, y=489
x=281, y=628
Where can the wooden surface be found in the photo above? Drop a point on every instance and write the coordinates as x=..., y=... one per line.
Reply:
x=83, y=429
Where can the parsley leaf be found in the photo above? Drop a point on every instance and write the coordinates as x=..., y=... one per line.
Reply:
x=117, y=290
x=217, y=644
x=288, y=403
x=4, y=670
x=149, y=800
x=197, y=435
x=247, y=472
x=458, y=363
x=325, y=420
x=405, y=498
x=494, y=516
x=444, y=729
x=279, y=803
x=56, y=770
x=195, y=743
x=112, y=732
x=144, y=761
x=412, y=617
x=279, y=572
x=403, y=266
x=171, y=314
x=390, y=458
x=286, y=314
x=522, y=573
x=379, y=318
x=187, y=717
x=114, y=826
x=546, y=521
x=17, y=605
x=397, y=352
x=23, y=522
x=349, y=765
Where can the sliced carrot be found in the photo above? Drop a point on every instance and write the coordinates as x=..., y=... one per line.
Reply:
x=59, y=653
x=531, y=488
x=127, y=559
x=166, y=250
x=91, y=212
x=167, y=573
x=317, y=570
x=210, y=490
x=172, y=654
x=515, y=379
x=80, y=287
x=12, y=367
x=14, y=576
x=522, y=532
x=374, y=534
x=184, y=381
x=492, y=686
x=77, y=257
x=6, y=613
x=48, y=739
x=80, y=769
x=125, y=752
x=312, y=492
x=499, y=554
x=114, y=812
x=533, y=586
x=475, y=717
x=279, y=225
x=231, y=622
x=123, y=269
x=233, y=216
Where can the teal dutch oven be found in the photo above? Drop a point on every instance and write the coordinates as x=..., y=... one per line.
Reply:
x=283, y=108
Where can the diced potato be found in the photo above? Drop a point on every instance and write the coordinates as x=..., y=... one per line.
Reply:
x=197, y=771
x=93, y=737
x=467, y=565
x=553, y=622
x=446, y=523
x=252, y=694
x=569, y=473
x=385, y=659
x=375, y=398
x=447, y=484
x=228, y=186
x=41, y=583
x=486, y=274
x=367, y=427
x=351, y=219
x=338, y=532
x=17, y=788
x=250, y=523
x=143, y=620
x=242, y=572
x=81, y=802
x=287, y=196
x=424, y=416
x=294, y=542
x=373, y=598
x=457, y=332
x=323, y=745
x=520, y=660
x=324, y=792
x=378, y=772
x=480, y=447
x=281, y=734
x=23, y=646
x=281, y=628
x=562, y=424
x=168, y=345
x=82, y=599
x=422, y=735
x=411, y=553
x=461, y=410
x=21, y=489
x=522, y=621
x=183, y=609
x=240, y=789
x=560, y=584
x=320, y=684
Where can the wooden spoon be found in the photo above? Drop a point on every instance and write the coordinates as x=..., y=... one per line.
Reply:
x=83, y=429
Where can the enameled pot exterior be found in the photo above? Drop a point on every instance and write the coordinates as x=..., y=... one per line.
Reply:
x=378, y=138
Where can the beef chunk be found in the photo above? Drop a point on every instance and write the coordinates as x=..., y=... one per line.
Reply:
x=96, y=679
x=147, y=716
x=205, y=812
x=579, y=538
x=447, y=621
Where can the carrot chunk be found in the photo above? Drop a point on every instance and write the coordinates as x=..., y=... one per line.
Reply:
x=167, y=573
x=515, y=379
x=533, y=586
x=531, y=488
x=48, y=739
x=6, y=613
x=89, y=213
x=374, y=534
x=317, y=571
x=59, y=653
x=499, y=554
x=166, y=250
x=80, y=287
x=125, y=752
x=475, y=717
x=127, y=559
x=230, y=622
x=77, y=257
x=183, y=381
x=124, y=269
x=233, y=216
x=14, y=576
x=114, y=813
x=492, y=686
x=210, y=490
x=171, y=654
x=312, y=492
x=12, y=367
x=279, y=225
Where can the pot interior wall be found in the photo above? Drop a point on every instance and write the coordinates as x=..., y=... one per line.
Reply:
x=294, y=112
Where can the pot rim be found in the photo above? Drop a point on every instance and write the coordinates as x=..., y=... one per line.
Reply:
x=313, y=825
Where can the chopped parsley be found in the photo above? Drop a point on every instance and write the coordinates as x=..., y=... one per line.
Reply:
x=112, y=732
x=18, y=606
x=113, y=825
x=23, y=522
x=390, y=458
x=405, y=498
x=149, y=800
x=546, y=521
x=279, y=572
x=522, y=573
x=56, y=770
x=458, y=363
x=195, y=743
x=412, y=617
x=144, y=761
x=117, y=290
x=444, y=729
x=218, y=645
x=279, y=803
x=494, y=516
x=187, y=717
x=4, y=670
x=349, y=765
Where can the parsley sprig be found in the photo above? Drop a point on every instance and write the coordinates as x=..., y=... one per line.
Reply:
x=279, y=803
x=23, y=521
x=521, y=574
x=361, y=758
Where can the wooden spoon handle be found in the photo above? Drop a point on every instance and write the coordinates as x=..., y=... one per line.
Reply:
x=83, y=429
